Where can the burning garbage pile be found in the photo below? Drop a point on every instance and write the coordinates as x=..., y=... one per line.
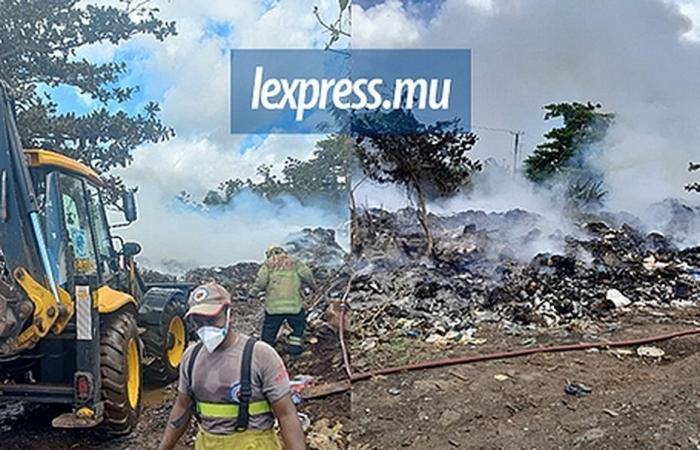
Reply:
x=317, y=247
x=516, y=268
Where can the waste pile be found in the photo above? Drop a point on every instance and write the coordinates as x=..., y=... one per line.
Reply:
x=317, y=247
x=237, y=278
x=516, y=268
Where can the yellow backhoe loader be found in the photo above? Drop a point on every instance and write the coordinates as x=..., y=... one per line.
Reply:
x=78, y=325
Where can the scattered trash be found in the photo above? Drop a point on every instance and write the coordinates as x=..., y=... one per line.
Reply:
x=577, y=389
x=501, y=377
x=619, y=352
x=527, y=342
x=305, y=421
x=323, y=436
x=433, y=338
x=617, y=299
x=484, y=269
x=650, y=352
x=394, y=391
x=611, y=413
x=298, y=384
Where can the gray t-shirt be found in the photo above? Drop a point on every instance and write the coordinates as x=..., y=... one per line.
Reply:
x=217, y=376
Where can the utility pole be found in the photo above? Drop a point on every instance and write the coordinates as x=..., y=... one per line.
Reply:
x=516, y=150
x=517, y=135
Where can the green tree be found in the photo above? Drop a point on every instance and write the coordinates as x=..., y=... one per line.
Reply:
x=566, y=146
x=39, y=44
x=428, y=161
x=324, y=177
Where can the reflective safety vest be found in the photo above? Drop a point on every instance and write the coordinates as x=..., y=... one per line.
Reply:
x=281, y=278
x=242, y=410
x=230, y=410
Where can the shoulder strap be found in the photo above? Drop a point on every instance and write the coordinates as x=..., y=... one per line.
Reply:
x=246, y=389
x=190, y=365
x=190, y=370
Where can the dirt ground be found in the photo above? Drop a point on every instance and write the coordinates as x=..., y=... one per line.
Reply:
x=640, y=403
x=25, y=426
x=635, y=402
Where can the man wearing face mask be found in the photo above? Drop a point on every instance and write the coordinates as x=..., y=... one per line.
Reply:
x=234, y=385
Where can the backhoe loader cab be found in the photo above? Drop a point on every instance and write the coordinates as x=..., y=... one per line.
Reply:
x=78, y=325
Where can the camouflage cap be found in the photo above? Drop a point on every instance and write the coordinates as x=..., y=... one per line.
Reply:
x=208, y=300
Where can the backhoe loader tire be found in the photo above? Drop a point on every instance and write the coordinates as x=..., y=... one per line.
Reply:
x=120, y=367
x=166, y=343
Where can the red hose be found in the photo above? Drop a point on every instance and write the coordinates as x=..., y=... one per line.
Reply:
x=514, y=354
x=341, y=331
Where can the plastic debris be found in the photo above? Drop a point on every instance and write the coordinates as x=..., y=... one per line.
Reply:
x=611, y=413
x=480, y=271
x=305, y=420
x=577, y=389
x=617, y=299
x=298, y=384
x=650, y=352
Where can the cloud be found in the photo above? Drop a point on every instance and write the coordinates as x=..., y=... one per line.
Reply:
x=197, y=165
x=387, y=25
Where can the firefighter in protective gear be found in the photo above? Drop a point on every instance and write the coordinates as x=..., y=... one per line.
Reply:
x=233, y=384
x=282, y=278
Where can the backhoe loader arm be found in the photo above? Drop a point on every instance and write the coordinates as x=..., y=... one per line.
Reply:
x=25, y=260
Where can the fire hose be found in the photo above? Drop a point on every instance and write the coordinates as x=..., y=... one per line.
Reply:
x=518, y=353
x=350, y=377
x=560, y=348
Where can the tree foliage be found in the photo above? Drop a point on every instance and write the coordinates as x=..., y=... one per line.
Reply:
x=324, y=177
x=565, y=157
x=566, y=146
x=428, y=161
x=40, y=42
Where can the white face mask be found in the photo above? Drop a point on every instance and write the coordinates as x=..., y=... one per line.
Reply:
x=212, y=336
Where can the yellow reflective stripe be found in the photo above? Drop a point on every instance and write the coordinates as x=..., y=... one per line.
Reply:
x=295, y=340
x=230, y=410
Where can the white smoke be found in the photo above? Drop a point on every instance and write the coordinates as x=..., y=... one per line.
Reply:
x=190, y=72
x=171, y=231
x=638, y=58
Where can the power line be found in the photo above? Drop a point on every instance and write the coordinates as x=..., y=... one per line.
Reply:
x=517, y=142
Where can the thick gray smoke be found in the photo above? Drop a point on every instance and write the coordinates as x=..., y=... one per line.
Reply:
x=633, y=56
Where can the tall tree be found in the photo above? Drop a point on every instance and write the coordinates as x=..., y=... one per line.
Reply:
x=324, y=177
x=39, y=45
x=326, y=174
x=566, y=151
x=428, y=161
